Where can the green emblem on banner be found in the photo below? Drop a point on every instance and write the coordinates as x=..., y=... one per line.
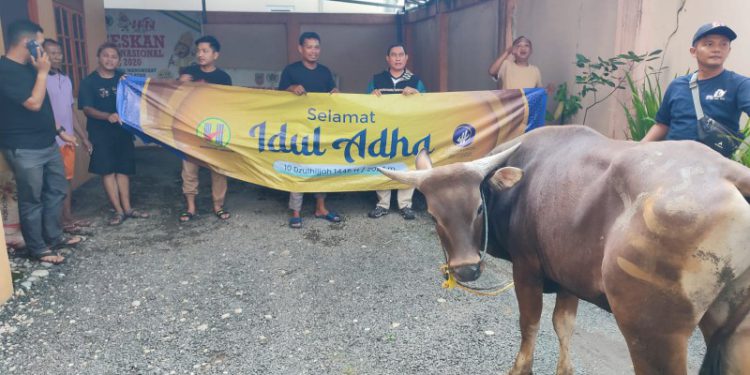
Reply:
x=214, y=130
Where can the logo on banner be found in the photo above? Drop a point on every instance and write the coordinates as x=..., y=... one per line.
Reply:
x=215, y=131
x=464, y=135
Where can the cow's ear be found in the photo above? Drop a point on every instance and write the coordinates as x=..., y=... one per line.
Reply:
x=506, y=177
x=423, y=160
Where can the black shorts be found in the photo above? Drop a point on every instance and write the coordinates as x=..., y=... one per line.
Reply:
x=114, y=151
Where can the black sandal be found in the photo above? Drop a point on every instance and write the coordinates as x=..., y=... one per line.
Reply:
x=221, y=212
x=135, y=214
x=186, y=216
x=117, y=219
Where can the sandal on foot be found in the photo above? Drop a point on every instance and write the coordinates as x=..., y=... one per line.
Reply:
x=222, y=214
x=82, y=223
x=71, y=229
x=49, y=254
x=68, y=241
x=186, y=216
x=135, y=214
x=330, y=216
x=295, y=222
x=117, y=219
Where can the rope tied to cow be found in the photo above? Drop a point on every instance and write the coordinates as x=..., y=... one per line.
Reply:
x=451, y=283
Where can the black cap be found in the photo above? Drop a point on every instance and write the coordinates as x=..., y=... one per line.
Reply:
x=714, y=28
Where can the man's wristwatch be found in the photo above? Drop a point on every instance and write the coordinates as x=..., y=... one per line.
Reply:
x=60, y=130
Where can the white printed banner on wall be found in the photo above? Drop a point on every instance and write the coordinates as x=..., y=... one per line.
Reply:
x=155, y=44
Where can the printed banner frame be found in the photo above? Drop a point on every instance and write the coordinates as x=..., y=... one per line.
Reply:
x=322, y=142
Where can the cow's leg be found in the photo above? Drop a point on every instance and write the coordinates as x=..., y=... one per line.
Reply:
x=726, y=329
x=529, y=294
x=654, y=352
x=564, y=319
x=655, y=320
x=738, y=348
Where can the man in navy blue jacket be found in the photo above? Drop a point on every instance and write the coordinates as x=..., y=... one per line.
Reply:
x=723, y=94
x=395, y=80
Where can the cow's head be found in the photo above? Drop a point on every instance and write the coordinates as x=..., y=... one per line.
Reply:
x=455, y=201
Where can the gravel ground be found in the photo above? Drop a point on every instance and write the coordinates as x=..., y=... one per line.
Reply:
x=251, y=296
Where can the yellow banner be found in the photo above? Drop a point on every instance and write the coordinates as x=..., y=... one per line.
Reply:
x=322, y=142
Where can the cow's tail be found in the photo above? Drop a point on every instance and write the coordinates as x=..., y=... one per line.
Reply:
x=714, y=363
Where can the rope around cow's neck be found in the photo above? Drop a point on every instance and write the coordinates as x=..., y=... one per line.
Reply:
x=451, y=281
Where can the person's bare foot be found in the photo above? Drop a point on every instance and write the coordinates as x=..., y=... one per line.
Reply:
x=49, y=257
x=54, y=259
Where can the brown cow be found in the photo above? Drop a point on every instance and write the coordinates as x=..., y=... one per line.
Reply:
x=656, y=233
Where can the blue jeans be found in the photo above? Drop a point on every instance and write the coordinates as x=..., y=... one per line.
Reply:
x=41, y=186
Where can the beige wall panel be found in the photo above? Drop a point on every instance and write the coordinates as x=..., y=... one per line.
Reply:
x=257, y=47
x=354, y=52
x=47, y=18
x=424, y=52
x=96, y=30
x=2, y=40
x=6, y=279
x=472, y=41
x=660, y=19
x=559, y=30
x=96, y=34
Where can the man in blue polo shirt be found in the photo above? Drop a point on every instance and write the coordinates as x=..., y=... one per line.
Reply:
x=723, y=94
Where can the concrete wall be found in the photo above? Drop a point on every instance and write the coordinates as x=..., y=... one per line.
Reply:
x=2, y=40
x=353, y=46
x=559, y=30
x=354, y=52
x=423, y=52
x=11, y=11
x=660, y=20
x=46, y=18
x=472, y=46
x=268, y=43
x=604, y=28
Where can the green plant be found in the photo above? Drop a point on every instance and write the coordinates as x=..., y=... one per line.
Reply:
x=607, y=75
x=567, y=105
x=645, y=101
x=599, y=77
x=743, y=153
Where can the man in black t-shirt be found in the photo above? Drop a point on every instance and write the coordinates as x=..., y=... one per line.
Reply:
x=113, y=153
x=300, y=78
x=27, y=140
x=206, y=53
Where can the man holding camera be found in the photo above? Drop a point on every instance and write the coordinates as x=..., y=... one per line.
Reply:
x=27, y=140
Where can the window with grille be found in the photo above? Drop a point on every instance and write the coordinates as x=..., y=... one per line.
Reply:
x=72, y=38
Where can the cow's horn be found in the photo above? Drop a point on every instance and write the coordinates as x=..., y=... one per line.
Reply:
x=485, y=165
x=413, y=178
